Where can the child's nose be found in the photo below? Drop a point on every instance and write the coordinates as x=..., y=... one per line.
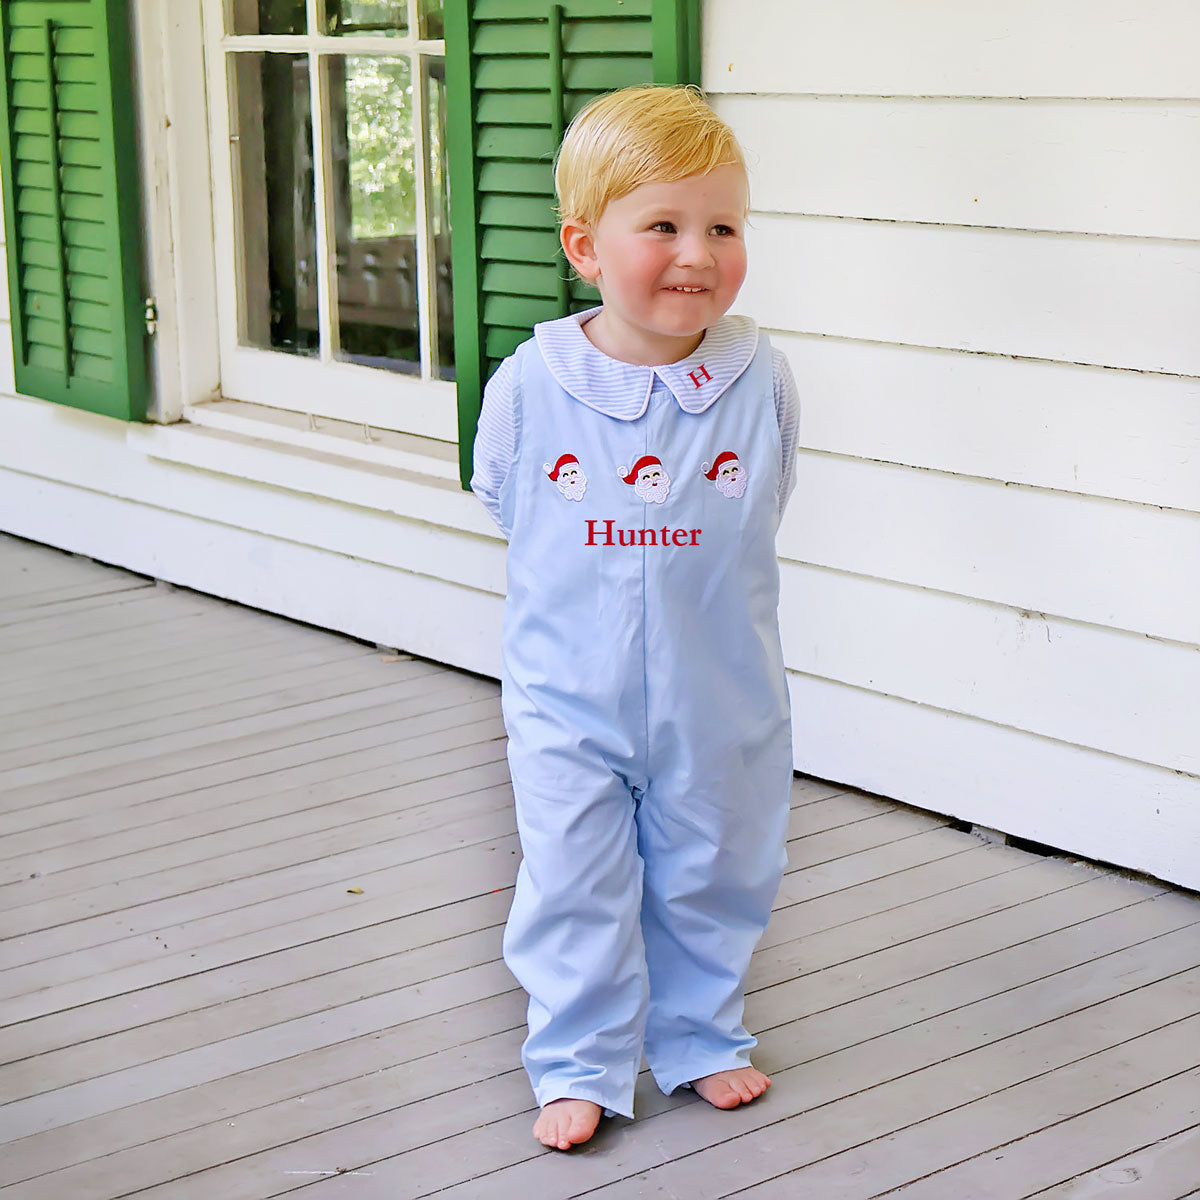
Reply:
x=694, y=251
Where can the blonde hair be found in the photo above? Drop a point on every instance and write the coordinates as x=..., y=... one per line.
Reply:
x=638, y=135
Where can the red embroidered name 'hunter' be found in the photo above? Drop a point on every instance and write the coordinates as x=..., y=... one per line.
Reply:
x=598, y=535
x=700, y=376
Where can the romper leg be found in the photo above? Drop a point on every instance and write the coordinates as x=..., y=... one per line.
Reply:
x=714, y=858
x=573, y=938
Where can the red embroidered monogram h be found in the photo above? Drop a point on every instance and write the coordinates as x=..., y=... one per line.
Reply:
x=700, y=377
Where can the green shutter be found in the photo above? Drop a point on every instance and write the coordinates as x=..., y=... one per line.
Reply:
x=71, y=204
x=517, y=72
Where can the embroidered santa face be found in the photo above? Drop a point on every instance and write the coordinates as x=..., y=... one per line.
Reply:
x=568, y=476
x=650, y=480
x=727, y=475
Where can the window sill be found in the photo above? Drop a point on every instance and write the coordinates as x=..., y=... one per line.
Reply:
x=408, y=476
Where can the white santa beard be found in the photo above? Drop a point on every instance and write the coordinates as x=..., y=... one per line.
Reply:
x=733, y=486
x=573, y=489
x=651, y=494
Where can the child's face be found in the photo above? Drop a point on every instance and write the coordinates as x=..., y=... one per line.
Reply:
x=668, y=258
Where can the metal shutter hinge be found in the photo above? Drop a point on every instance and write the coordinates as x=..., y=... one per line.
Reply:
x=151, y=316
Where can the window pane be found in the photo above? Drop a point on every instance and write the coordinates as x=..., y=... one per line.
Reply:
x=268, y=16
x=433, y=26
x=376, y=17
x=273, y=167
x=375, y=210
x=438, y=204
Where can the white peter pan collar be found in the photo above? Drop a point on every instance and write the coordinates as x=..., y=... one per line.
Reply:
x=622, y=390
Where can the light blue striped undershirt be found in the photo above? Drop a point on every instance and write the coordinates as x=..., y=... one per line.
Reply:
x=622, y=390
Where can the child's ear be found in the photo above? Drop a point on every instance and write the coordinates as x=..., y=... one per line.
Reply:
x=577, y=246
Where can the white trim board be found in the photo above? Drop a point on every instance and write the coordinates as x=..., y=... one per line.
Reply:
x=1098, y=431
x=1142, y=817
x=1115, y=302
x=424, y=615
x=1074, y=166
x=1107, y=562
x=1019, y=48
x=1118, y=692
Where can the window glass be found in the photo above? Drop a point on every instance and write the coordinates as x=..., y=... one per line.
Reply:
x=438, y=203
x=374, y=17
x=273, y=172
x=268, y=16
x=375, y=210
x=433, y=25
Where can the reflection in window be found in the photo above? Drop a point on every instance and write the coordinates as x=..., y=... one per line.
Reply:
x=438, y=204
x=433, y=24
x=386, y=17
x=375, y=210
x=278, y=225
x=268, y=16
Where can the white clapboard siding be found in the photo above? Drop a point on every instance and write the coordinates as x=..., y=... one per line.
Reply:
x=423, y=613
x=96, y=457
x=1118, y=302
x=1001, y=778
x=1123, y=434
x=1128, y=566
x=1019, y=48
x=1067, y=165
x=1118, y=692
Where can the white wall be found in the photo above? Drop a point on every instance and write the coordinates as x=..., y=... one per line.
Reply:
x=974, y=235
x=982, y=263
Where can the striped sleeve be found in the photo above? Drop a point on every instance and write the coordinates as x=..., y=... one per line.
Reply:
x=787, y=412
x=495, y=441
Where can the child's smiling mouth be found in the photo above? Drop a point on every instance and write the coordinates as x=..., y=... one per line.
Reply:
x=688, y=290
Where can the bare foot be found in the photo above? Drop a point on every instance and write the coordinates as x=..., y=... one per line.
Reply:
x=566, y=1123
x=728, y=1089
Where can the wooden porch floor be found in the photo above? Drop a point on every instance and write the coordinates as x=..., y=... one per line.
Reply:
x=254, y=880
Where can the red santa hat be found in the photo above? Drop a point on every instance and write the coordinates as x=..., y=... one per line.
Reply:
x=647, y=460
x=722, y=458
x=563, y=460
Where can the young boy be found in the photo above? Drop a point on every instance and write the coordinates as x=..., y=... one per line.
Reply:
x=638, y=458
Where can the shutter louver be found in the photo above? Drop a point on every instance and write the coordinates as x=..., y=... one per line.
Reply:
x=71, y=205
x=518, y=71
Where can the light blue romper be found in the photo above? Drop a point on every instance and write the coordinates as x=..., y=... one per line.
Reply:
x=647, y=709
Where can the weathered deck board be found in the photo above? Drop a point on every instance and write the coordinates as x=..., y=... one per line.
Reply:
x=197, y=1006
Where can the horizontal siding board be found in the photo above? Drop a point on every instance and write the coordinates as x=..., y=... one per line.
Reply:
x=1127, y=566
x=1082, y=801
x=426, y=614
x=1127, y=435
x=1118, y=692
x=1022, y=48
x=1112, y=302
x=1087, y=167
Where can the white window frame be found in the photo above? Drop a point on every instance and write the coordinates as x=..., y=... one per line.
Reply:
x=321, y=386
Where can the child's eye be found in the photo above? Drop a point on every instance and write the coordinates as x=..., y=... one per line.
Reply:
x=663, y=227
x=724, y=230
